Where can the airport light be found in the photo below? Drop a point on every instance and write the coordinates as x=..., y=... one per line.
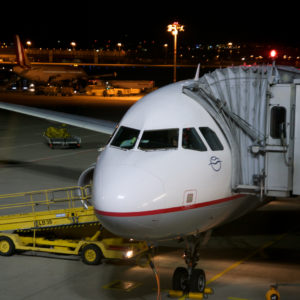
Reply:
x=174, y=29
x=273, y=54
x=73, y=44
x=28, y=43
x=166, y=51
x=119, y=46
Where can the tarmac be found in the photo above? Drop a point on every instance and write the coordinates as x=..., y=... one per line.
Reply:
x=241, y=259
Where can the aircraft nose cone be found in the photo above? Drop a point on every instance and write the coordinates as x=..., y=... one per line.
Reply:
x=124, y=197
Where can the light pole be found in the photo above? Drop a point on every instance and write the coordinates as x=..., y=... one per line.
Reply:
x=174, y=29
x=119, y=46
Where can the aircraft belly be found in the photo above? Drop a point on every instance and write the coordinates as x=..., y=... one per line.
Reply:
x=176, y=222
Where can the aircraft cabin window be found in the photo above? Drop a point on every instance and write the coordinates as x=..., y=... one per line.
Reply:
x=191, y=140
x=125, y=138
x=211, y=139
x=277, y=123
x=159, y=139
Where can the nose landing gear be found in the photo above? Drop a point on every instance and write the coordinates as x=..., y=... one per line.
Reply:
x=190, y=279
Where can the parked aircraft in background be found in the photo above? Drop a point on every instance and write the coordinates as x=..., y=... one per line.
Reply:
x=44, y=74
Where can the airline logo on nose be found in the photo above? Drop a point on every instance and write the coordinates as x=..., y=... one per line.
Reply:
x=215, y=163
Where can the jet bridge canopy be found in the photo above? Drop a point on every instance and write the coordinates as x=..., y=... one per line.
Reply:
x=238, y=98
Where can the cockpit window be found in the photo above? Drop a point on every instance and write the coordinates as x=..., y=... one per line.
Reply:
x=211, y=138
x=159, y=139
x=125, y=138
x=191, y=140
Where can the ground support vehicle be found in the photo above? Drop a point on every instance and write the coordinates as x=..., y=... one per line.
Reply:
x=48, y=90
x=94, y=90
x=56, y=221
x=143, y=85
x=53, y=90
x=66, y=91
x=60, y=137
x=121, y=92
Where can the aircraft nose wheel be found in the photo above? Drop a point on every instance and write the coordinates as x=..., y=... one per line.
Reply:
x=190, y=279
x=195, y=283
x=180, y=279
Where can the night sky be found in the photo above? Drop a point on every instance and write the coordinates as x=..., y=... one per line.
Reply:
x=46, y=22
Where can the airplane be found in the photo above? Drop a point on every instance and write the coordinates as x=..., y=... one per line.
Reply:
x=44, y=74
x=194, y=155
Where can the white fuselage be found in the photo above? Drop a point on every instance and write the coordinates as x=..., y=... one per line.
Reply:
x=146, y=191
x=47, y=74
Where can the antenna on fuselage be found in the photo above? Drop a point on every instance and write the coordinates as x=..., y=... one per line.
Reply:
x=197, y=73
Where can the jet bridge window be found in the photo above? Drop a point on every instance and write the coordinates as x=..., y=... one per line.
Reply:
x=125, y=138
x=191, y=140
x=277, y=123
x=211, y=139
x=159, y=139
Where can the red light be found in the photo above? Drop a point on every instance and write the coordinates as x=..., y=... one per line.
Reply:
x=273, y=53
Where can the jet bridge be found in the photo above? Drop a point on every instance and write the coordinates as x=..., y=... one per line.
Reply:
x=258, y=109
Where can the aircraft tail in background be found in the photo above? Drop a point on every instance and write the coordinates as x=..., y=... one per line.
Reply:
x=22, y=58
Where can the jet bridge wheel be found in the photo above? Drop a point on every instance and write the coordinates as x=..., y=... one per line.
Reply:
x=7, y=246
x=91, y=255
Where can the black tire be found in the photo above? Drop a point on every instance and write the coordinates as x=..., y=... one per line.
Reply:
x=7, y=246
x=180, y=279
x=197, y=281
x=91, y=255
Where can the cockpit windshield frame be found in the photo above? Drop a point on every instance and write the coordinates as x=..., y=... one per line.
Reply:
x=211, y=139
x=191, y=140
x=125, y=138
x=159, y=139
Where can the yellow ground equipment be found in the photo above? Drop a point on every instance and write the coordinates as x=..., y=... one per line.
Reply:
x=60, y=221
x=60, y=137
x=190, y=295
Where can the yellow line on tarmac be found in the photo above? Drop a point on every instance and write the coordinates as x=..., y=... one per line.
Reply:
x=233, y=266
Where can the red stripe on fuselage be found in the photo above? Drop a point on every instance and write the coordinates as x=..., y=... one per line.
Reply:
x=166, y=210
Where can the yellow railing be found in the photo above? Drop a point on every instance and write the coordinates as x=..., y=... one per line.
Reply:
x=70, y=197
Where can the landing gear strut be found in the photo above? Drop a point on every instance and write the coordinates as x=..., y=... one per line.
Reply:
x=190, y=279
